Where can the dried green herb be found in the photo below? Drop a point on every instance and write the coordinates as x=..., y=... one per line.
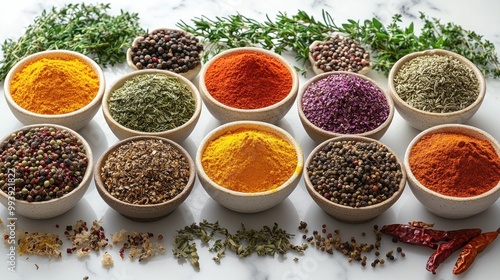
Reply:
x=85, y=28
x=436, y=83
x=152, y=103
x=244, y=242
x=387, y=43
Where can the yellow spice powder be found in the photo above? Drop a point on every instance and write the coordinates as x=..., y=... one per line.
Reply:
x=248, y=160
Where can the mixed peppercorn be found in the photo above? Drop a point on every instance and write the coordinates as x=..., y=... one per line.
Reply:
x=354, y=173
x=340, y=54
x=167, y=49
x=48, y=163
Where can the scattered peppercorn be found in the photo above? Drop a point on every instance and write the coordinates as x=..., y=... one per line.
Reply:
x=49, y=162
x=354, y=173
x=340, y=54
x=168, y=49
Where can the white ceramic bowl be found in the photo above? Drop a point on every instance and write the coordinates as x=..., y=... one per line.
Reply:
x=346, y=213
x=138, y=212
x=241, y=201
x=177, y=134
x=449, y=206
x=57, y=206
x=422, y=120
x=190, y=75
x=319, y=134
x=272, y=113
x=74, y=120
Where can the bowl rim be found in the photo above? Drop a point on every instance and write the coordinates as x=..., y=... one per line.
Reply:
x=390, y=200
x=290, y=96
x=450, y=128
x=382, y=126
x=190, y=74
x=55, y=54
x=180, y=196
x=400, y=102
x=256, y=125
x=86, y=177
x=193, y=89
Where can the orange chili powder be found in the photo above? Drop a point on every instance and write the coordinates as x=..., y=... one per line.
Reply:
x=455, y=164
x=248, y=80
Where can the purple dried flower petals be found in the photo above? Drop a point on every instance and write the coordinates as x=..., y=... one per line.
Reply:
x=344, y=103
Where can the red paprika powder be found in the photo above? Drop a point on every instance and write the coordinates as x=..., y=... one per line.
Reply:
x=248, y=80
x=455, y=164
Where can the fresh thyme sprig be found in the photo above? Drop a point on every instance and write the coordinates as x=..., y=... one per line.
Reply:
x=88, y=29
x=387, y=43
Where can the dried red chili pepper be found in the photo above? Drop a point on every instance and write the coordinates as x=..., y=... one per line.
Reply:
x=472, y=249
x=416, y=235
x=420, y=224
x=457, y=239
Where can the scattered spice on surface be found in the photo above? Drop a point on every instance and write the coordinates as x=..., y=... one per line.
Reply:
x=85, y=239
x=248, y=80
x=249, y=160
x=353, y=249
x=168, y=49
x=472, y=249
x=145, y=172
x=436, y=83
x=39, y=243
x=472, y=165
x=345, y=103
x=54, y=85
x=107, y=260
x=244, y=242
x=354, y=173
x=49, y=162
x=119, y=236
x=152, y=103
x=340, y=54
x=445, y=243
x=140, y=246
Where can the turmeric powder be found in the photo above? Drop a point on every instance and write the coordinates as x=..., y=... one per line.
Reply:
x=248, y=160
x=54, y=86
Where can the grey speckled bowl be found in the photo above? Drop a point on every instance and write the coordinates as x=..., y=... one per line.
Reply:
x=74, y=120
x=319, y=135
x=270, y=114
x=57, y=206
x=420, y=119
x=448, y=206
x=177, y=134
x=137, y=212
x=248, y=202
x=345, y=213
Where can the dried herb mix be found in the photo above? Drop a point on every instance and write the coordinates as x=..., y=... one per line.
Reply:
x=345, y=103
x=354, y=173
x=145, y=172
x=436, y=83
x=48, y=163
x=152, y=103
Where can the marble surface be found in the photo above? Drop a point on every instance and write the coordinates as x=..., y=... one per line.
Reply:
x=479, y=15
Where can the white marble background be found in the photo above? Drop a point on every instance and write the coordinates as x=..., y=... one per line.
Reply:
x=480, y=16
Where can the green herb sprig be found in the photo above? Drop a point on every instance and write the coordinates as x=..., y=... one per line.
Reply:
x=88, y=29
x=387, y=43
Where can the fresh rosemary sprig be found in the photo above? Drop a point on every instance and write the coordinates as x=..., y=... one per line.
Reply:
x=88, y=29
x=387, y=43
